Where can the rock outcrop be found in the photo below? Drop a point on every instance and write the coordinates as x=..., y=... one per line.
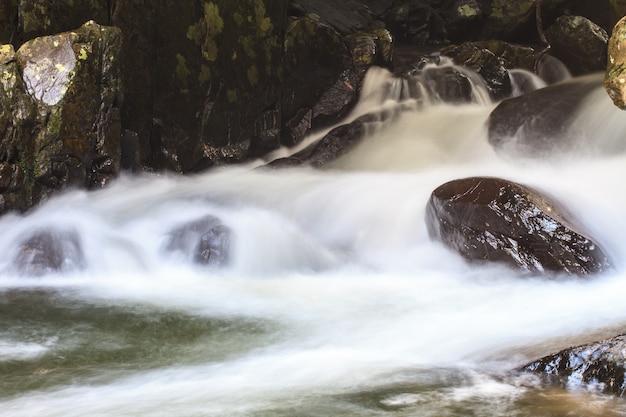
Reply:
x=495, y=220
x=49, y=251
x=533, y=125
x=217, y=82
x=579, y=43
x=205, y=241
x=598, y=365
x=60, y=99
x=204, y=83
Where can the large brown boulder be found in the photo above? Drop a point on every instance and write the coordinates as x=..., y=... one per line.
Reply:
x=492, y=219
x=601, y=365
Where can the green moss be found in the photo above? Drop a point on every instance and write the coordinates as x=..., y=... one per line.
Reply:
x=238, y=18
x=467, y=11
x=54, y=123
x=248, y=44
x=182, y=72
x=263, y=23
x=204, y=32
x=205, y=74
x=253, y=75
x=214, y=22
x=231, y=95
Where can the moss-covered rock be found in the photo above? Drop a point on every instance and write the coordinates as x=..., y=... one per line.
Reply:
x=416, y=22
x=59, y=113
x=579, y=43
x=615, y=77
x=486, y=63
x=202, y=79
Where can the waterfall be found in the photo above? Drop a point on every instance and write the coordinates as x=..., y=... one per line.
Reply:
x=334, y=300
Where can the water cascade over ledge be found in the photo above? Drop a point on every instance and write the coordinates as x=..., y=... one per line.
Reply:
x=332, y=300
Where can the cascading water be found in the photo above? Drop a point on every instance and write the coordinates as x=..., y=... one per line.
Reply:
x=334, y=301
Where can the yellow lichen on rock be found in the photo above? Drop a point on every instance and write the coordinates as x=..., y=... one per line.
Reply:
x=615, y=77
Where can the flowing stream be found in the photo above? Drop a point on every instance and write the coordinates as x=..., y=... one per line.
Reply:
x=335, y=301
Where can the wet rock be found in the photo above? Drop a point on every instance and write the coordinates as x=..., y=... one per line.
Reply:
x=462, y=18
x=416, y=22
x=336, y=143
x=59, y=112
x=615, y=77
x=202, y=79
x=333, y=66
x=297, y=127
x=601, y=12
x=512, y=55
x=495, y=220
x=317, y=53
x=533, y=125
x=507, y=19
x=50, y=251
x=599, y=365
x=489, y=66
x=446, y=84
x=579, y=43
x=348, y=16
x=370, y=48
x=205, y=241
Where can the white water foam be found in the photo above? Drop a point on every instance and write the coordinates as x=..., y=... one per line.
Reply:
x=340, y=260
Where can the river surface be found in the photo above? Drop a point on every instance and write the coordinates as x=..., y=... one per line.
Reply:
x=335, y=301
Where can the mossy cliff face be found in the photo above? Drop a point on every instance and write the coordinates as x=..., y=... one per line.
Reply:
x=203, y=83
x=63, y=124
x=22, y=20
x=206, y=82
x=8, y=20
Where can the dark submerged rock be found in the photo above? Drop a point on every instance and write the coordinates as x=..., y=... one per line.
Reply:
x=205, y=241
x=337, y=142
x=599, y=364
x=491, y=219
x=533, y=125
x=49, y=251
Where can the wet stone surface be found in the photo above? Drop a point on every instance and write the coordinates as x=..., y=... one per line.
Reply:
x=205, y=241
x=599, y=364
x=491, y=219
x=49, y=251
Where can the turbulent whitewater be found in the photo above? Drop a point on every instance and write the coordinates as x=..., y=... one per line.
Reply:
x=335, y=301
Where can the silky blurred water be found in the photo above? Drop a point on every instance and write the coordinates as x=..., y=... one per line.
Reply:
x=335, y=301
